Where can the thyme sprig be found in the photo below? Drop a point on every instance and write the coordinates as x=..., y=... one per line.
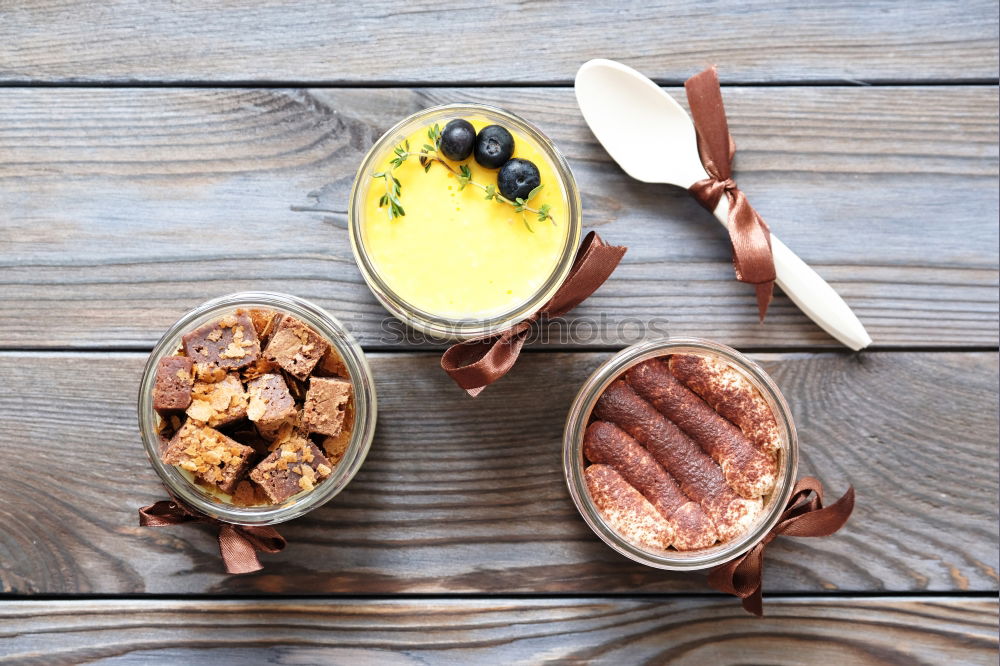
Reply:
x=428, y=155
x=393, y=187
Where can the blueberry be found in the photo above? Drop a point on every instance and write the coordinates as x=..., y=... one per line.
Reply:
x=494, y=146
x=517, y=178
x=457, y=139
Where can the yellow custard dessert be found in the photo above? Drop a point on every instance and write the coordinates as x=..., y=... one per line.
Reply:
x=453, y=253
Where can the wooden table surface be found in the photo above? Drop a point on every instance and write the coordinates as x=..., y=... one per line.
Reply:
x=153, y=156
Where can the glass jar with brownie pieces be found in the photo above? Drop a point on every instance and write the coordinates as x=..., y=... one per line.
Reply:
x=256, y=408
x=680, y=454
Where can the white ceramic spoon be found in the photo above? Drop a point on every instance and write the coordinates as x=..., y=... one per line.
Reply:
x=653, y=140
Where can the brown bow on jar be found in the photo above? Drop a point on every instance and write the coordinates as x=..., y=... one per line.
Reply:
x=804, y=516
x=475, y=364
x=238, y=544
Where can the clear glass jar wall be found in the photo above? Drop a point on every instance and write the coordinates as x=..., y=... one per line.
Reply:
x=573, y=460
x=365, y=408
x=427, y=322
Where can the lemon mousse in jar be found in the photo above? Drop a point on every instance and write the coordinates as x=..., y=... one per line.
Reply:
x=464, y=220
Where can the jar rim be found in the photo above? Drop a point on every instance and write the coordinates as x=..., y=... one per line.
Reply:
x=579, y=415
x=365, y=408
x=442, y=327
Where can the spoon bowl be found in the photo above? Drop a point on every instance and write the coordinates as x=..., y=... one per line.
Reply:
x=668, y=149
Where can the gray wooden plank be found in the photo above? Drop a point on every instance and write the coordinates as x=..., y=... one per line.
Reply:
x=123, y=208
x=463, y=496
x=476, y=42
x=819, y=630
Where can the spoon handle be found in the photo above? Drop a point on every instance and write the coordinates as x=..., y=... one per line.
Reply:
x=811, y=293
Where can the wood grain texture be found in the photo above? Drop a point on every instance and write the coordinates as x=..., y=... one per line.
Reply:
x=614, y=631
x=123, y=208
x=429, y=41
x=467, y=496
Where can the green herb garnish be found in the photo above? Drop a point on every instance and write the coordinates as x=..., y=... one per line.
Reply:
x=428, y=155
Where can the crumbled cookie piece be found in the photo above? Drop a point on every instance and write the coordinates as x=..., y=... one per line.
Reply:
x=264, y=322
x=326, y=402
x=168, y=425
x=248, y=493
x=172, y=388
x=261, y=366
x=335, y=447
x=244, y=494
x=210, y=456
x=294, y=466
x=270, y=405
x=332, y=365
x=295, y=347
x=228, y=342
x=208, y=373
x=218, y=403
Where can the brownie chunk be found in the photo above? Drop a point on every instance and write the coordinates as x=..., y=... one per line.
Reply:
x=210, y=456
x=172, y=389
x=218, y=403
x=271, y=405
x=326, y=402
x=228, y=342
x=295, y=347
x=295, y=465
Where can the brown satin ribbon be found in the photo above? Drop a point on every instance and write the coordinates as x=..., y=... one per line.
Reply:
x=749, y=235
x=804, y=516
x=475, y=364
x=238, y=544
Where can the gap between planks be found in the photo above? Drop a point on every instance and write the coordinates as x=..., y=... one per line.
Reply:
x=416, y=349
x=557, y=83
x=840, y=595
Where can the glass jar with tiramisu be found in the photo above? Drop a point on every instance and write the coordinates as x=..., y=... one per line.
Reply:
x=256, y=407
x=680, y=453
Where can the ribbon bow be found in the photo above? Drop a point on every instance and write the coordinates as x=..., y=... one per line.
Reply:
x=804, y=516
x=237, y=543
x=475, y=364
x=749, y=235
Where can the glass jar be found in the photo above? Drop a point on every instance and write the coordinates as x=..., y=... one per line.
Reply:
x=579, y=417
x=364, y=409
x=443, y=327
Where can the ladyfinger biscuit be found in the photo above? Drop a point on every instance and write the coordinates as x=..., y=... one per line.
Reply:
x=732, y=395
x=607, y=444
x=626, y=510
x=697, y=474
x=750, y=472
